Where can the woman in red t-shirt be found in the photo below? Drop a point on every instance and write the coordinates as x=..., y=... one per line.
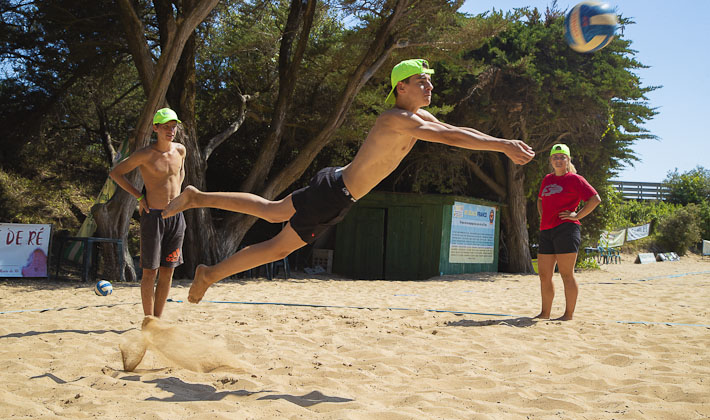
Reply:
x=557, y=202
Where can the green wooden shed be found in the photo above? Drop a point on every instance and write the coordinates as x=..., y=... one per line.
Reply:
x=397, y=236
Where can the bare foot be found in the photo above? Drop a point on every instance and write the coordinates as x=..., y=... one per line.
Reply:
x=199, y=285
x=564, y=318
x=542, y=316
x=181, y=202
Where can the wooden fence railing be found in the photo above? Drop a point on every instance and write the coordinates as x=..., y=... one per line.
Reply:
x=641, y=190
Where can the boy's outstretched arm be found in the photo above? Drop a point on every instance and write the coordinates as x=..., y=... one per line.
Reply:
x=426, y=127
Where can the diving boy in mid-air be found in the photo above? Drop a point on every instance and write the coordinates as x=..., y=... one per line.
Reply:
x=332, y=191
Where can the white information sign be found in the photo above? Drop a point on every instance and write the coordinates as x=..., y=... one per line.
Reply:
x=638, y=232
x=24, y=250
x=473, y=230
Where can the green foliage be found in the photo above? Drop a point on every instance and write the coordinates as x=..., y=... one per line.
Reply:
x=44, y=199
x=689, y=187
x=530, y=85
x=588, y=263
x=619, y=213
x=704, y=223
x=679, y=231
x=74, y=89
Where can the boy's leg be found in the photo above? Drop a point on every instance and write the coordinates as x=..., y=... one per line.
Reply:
x=147, y=290
x=566, y=262
x=546, y=268
x=271, y=211
x=162, y=289
x=274, y=249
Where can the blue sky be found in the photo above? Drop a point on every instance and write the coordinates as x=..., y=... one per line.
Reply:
x=673, y=43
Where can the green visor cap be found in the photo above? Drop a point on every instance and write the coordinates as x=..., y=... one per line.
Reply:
x=406, y=69
x=164, y=115
x=560, y=148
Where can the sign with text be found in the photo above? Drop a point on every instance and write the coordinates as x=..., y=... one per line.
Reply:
x=473, y=232
x=613, y=238
x=24, y=250
x=645, y=258
x=638, y=232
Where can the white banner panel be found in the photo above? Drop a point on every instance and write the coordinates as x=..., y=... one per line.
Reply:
x=473, y=232
x=612, y=239
x=706, y=247
x=638, y=232
x=24, y=250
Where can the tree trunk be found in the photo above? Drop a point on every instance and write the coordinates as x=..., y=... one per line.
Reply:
x=516, y=226
x=108, y=226
x=199, y=246
x=300, y=18
x=382, y=45
x=113, y=218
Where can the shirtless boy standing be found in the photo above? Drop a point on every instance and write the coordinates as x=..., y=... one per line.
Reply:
x=162, y=166
x=331, y=193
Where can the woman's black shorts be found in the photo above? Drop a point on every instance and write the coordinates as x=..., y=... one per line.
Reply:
x=562, y=239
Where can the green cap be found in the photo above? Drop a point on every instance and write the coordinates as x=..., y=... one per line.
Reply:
x=560, y=148
x=405, y=69
x=164, y=115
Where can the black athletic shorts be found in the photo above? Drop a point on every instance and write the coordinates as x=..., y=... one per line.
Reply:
x=561, y=239
x=320, y=205
x=161, y=240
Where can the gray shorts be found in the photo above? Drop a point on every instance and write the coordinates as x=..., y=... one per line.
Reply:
x=161, y=240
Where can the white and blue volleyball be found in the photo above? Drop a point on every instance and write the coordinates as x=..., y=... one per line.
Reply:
x=590, y=26
x=103, y=288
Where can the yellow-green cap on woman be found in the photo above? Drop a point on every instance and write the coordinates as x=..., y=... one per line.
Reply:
x=560, y=148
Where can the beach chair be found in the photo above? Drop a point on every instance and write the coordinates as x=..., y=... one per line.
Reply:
x=602, y=255
x=618, y=255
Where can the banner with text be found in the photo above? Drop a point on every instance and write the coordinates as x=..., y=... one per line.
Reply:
x=612, y=239
x=473, y=232
x=24, y=250
x=638, y=232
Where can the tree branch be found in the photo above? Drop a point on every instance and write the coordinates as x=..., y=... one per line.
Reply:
x=490, y=182
x=217, y=140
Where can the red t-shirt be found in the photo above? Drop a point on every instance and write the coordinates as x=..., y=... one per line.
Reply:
x=560, y=193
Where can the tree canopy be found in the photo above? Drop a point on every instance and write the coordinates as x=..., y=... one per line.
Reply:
x=271, y=91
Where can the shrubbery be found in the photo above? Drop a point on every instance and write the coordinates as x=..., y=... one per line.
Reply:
x=674, y=226
x=681, y=230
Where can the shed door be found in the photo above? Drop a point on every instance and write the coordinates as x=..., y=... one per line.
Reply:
x=368, y=255
x=402, y=257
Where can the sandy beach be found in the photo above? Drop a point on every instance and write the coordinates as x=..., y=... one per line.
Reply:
x=452, y=347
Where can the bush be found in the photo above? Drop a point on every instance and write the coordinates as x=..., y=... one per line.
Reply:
x=705, y=219
x=690, y=187
x=680, y=231
x=588, y=263
x=620, y=214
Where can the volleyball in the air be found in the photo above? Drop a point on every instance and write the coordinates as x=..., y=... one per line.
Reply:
x=590, y=26
x=103, y=288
